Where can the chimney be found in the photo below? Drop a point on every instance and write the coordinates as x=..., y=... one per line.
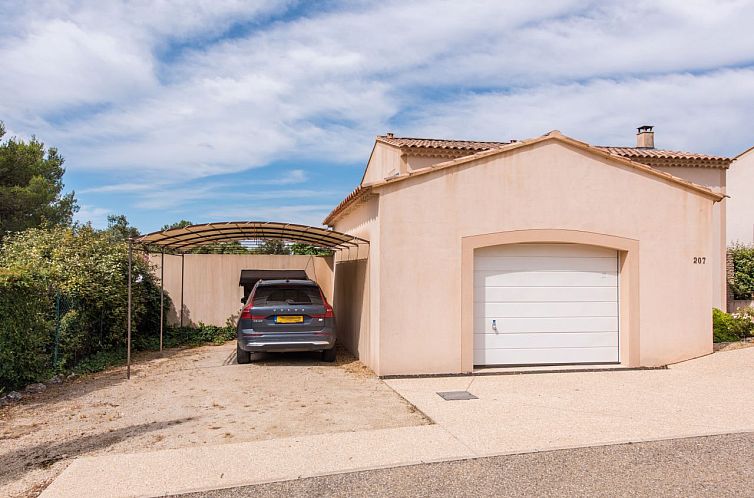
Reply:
x=389, y=134
x=645, y=137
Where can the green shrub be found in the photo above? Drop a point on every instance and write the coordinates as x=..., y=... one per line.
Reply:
x=88, y=269
x=25, y=330
x=730, y=328
x=742, y=282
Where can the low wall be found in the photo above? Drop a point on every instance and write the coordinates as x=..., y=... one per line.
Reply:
x=733, y=305
x=211, y=293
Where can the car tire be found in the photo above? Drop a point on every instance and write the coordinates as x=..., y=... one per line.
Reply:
x=242, y=357
x=328, y=355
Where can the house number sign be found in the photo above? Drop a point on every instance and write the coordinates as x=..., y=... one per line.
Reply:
x=700, y=260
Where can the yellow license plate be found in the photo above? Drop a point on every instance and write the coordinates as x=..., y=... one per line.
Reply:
x=289, y=319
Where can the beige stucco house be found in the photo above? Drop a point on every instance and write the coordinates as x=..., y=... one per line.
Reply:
x=542, y=251
x=740, y=226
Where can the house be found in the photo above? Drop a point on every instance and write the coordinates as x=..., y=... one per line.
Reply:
x=541, y=251
x=740, y=216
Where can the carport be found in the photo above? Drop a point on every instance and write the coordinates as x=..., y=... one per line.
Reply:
x=183, y=240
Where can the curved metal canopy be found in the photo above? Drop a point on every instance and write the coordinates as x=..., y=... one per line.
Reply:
x=182, y=239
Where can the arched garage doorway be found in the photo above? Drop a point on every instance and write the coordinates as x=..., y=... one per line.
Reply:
x=499, y=259
x=181, y=241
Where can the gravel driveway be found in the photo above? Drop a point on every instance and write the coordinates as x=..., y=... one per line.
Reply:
x=190, y=397
x=704, y=466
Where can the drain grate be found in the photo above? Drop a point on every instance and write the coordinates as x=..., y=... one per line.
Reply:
x=456, y=395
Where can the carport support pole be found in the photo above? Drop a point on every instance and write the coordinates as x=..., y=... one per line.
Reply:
x=182, y=267
x=128, y=320
x=162, y=293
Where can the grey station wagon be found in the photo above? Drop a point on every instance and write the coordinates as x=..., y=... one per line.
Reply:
x=286, y=315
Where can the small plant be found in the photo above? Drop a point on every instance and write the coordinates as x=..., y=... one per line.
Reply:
x=731, y=328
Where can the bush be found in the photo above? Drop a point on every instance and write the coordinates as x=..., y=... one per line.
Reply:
x=742, y=283
x=88, y=270
x=25, y=329
x=730, y=328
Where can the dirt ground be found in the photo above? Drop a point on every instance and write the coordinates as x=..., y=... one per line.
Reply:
x=187, y=398
x=732, y=346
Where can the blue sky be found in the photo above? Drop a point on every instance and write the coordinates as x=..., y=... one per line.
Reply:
x=267, y=110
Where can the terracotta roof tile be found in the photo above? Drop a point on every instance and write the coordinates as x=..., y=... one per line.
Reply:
x=431, y=143
x=639, y=152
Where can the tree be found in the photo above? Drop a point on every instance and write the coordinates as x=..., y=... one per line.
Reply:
x=272, y=246
x=309, y=250
x=177, y=224
x=119, y=229
x=31, y=185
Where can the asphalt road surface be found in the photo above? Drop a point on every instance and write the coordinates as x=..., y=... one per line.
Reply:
x=702, y=466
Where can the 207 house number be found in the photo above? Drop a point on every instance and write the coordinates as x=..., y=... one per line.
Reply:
x=700, y=260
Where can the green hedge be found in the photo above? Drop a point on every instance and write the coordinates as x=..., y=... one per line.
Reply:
x=25, y=329
x=742, y=282
x=87, y=269
x=730, y=328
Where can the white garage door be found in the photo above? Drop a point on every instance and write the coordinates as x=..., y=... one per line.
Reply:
x=545, y=304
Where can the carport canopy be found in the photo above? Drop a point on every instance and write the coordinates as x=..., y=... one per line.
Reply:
x=184, y=239
x=192, y=236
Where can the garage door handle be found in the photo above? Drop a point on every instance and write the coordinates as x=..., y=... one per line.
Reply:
x=494, y=326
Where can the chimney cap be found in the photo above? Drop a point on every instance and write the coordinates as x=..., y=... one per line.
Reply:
x=645, y=129
x=389, y=134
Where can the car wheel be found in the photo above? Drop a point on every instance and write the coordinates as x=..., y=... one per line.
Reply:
x=243, y=357
x=328, y=355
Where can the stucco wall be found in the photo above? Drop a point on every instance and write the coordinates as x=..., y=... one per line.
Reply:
x=384, y=161
x=547, y=186
x=741, y=203
x=716, y=179
x=356, y=303
x=211, y=293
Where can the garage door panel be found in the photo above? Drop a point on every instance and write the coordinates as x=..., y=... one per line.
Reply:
x=545, y=356
x=554, y=340
x=518, y=263
x=542, y=294
x=546, y=325
x=552, y=303
x=546, y=309
x=545, y=278
x=546, y=250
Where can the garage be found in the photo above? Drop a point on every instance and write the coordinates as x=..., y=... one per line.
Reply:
x=546, y=251
x=540, y=304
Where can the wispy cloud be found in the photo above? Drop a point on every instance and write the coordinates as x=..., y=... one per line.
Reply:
x=178, y=95
x=96, y=215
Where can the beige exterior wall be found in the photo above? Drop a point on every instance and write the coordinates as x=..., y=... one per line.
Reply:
x=741, y=203
x=423, y=222
x=385, y=161
x=211, y=293
x=356, y=303
x=716, y=179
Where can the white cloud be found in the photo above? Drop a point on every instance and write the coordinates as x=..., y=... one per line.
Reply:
x=705, y=113
x=153, y=89
x=96, y=215
x=306, y=214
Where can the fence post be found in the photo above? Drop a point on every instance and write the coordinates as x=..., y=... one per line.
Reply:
x=128, y=354
x=57, y=330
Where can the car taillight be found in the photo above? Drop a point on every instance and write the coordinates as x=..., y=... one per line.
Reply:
x=328, y=309
x=246, y=312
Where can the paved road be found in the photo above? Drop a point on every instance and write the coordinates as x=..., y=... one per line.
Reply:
x=703, y=466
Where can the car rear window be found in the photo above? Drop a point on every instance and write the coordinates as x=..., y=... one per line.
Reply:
x=286, y=295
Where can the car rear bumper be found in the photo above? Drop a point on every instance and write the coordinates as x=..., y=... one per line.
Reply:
x=283, y=342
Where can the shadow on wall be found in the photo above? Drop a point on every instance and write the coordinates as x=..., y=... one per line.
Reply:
x=173, y=318
x=351, y=309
